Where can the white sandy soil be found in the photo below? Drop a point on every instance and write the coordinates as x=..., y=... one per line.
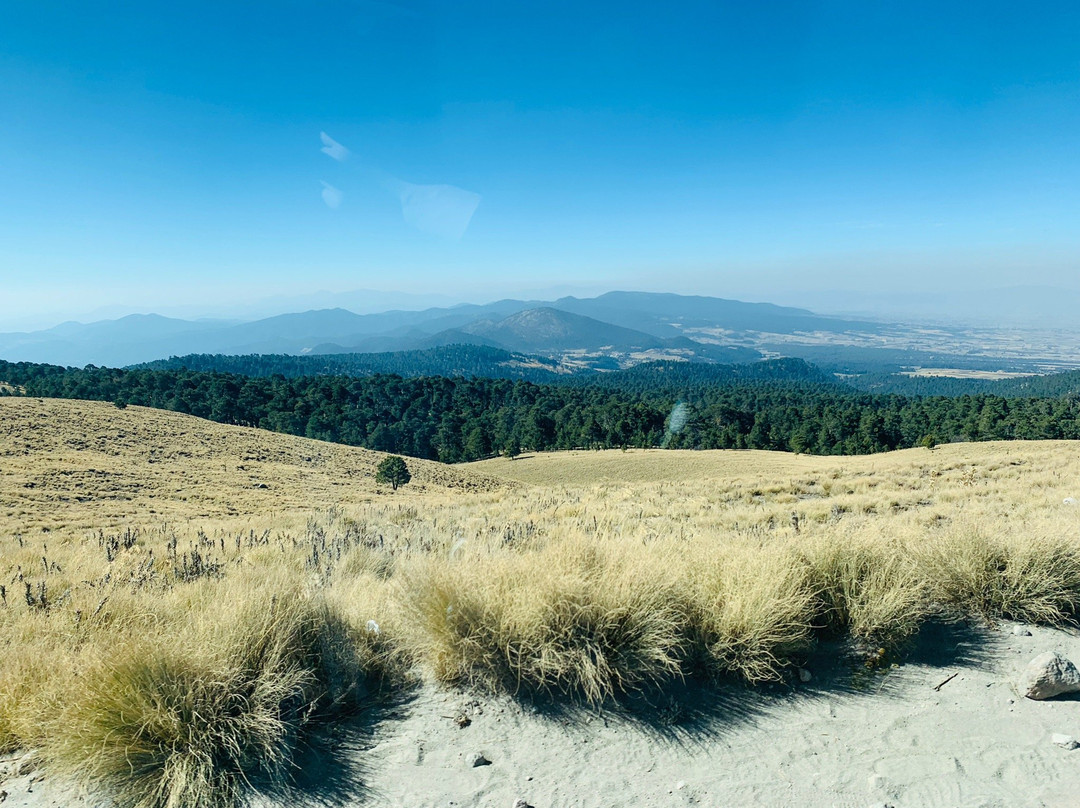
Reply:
x=846, y=738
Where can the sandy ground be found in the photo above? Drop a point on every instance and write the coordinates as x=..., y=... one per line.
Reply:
x=846, y=738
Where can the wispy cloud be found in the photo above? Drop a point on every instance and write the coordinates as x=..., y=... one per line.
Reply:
x=331, y=195
x=332, y=148
x=438, y=210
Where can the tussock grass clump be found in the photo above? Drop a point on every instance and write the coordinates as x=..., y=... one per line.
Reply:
x=199, y=718
x=869, y=587
x=564, y=620
x=1021, y=576
x=750, y=609
x=28, y=687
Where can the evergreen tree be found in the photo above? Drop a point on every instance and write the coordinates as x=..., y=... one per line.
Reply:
x=393, y=470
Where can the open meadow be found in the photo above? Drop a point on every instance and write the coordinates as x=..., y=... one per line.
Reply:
x=188, y=607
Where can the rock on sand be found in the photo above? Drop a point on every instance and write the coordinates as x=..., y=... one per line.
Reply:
x=1049, y=675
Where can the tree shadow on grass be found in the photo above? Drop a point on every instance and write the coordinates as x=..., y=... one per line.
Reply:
x=329, y=763
x=697, y=710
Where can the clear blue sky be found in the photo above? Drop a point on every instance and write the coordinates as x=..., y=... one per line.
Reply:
x=154, y=153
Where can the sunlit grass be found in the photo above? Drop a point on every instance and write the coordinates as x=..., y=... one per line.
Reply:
x=173, y=646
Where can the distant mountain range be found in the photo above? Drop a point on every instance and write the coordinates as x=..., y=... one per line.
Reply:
x=618, y=329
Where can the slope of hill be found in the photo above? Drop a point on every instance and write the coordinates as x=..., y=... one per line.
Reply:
x=458, y=419
x=900, y=476
x=157, y=572
x=665, y=314
x=92, y=466
x=1065, y=383
x=496, y=363
x=546, y=329
x=679, y=378
x=449, y=361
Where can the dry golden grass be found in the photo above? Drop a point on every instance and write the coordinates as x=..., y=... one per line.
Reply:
x=89, y=466
x=194, y=717
x=144, y=571
x=805, y=475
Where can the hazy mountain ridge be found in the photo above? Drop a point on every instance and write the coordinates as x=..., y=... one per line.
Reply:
x=611, y=331
x=545, y=328
x=667, y=314
x=141, y=338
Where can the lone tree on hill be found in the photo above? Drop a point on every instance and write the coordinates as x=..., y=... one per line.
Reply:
x=392, y=470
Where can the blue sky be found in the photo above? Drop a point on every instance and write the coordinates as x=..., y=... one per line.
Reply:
x=154, y=154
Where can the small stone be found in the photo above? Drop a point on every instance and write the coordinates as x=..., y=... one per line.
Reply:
x=1020, y=631
x=1049, y=675
x=805, y=675
x=679, y=786
x=478, y=759
x=520, y=803
x=1069, y=501
x=875, y=781
x=1064, y=741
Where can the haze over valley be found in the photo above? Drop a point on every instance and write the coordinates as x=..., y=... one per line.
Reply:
x=613, y=330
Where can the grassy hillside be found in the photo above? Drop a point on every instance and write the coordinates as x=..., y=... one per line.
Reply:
x=170, y=629
x=90, y=465
x=726, y=467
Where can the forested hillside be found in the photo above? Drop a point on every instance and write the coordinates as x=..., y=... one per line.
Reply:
x=1048, y=386
x=674, y=377
x=456, y=419
x=449, y=360
x=679, y=379
x=496, y=363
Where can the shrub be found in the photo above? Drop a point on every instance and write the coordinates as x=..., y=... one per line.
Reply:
x=869, y=587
